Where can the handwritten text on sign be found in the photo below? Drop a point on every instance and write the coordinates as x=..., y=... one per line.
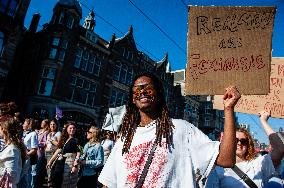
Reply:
x=274, y=101
x=229, y=46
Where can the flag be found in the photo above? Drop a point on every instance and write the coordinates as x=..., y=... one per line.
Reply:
x=58, y=112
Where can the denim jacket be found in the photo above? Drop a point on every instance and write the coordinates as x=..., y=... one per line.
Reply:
x=94, y=156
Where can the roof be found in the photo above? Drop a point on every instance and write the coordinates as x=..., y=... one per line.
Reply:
x=71, y=3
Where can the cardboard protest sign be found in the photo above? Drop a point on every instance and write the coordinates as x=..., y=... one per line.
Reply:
x=229, y=46
x=274, y=101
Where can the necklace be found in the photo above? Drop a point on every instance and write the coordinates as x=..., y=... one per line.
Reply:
x=148, y=125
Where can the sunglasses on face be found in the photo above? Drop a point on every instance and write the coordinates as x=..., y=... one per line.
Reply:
x=243, y=141
x=149, y=88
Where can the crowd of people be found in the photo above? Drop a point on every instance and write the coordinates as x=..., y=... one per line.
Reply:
x=36, y=154
x=150, y=150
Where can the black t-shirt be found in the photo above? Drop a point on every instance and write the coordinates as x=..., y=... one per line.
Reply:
x=71, y=146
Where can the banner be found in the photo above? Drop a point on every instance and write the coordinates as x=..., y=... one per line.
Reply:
x=274, y=101
x=229, y=46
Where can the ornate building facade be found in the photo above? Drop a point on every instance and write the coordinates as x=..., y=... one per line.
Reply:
x=12, y=15
x=70, y=66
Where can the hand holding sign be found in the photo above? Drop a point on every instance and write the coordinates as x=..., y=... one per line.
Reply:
x=264, y=115
x=231, y=97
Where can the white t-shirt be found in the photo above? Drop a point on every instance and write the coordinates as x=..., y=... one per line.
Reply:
x=30, y=140
x=49, y=145
x=10, y=159
x=107, y=146
x=192, y=153
x=260, y=170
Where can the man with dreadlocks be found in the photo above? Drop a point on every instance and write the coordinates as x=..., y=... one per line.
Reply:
x=179, y=154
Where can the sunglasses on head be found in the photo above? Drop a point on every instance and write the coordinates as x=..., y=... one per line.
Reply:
x=149, y=88
x=243, y=141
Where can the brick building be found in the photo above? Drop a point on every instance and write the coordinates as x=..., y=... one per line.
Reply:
x=12, y=15
x=70, y=66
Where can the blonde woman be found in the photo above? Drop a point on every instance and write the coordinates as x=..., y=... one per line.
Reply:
x=91, y=160
x=14, y=153
x=30, y=139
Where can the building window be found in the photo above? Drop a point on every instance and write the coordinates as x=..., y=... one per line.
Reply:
x=53, y=52
x=9, y=7
x=93, y=87
x=118, y=98
x=129, y=76
x=80, y=96
x=55, y=41
x=2, y=38
x=73, y=80
x=61, y=18
x=97, y=67
x=70, y=21
x=61, y=55
x=94, y=65
x=58, y=48
x=46, y=81
x=79, y=82
x=116, y=73
x=64, y=44
x=84, y=91
x=91, y=63
x=123, y=73
x=78, y=57
x=85, y=60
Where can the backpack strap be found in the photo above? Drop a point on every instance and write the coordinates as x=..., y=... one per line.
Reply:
x=244, y=177
x=141, y=180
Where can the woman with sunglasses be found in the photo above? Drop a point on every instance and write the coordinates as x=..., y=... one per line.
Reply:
x=259, y=169
x=91, y=160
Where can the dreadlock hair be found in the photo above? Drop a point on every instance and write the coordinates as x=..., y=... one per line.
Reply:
x=12, y=131
x=250, y=153
x=132, y=116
